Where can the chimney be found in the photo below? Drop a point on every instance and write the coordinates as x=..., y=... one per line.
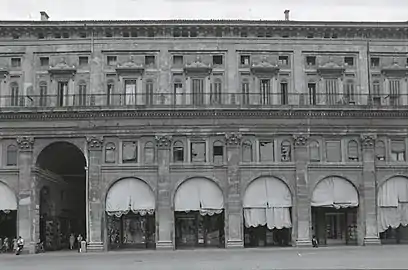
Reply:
x=44, y=16
x=287, y=15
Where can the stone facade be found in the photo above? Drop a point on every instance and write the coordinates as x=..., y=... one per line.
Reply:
x=102, y=86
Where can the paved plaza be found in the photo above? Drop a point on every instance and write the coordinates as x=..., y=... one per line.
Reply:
x=381, y=257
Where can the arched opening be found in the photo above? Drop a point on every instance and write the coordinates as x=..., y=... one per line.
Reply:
x=8, y=217
x=267, y=213
x=199, y=215
x=334, y=212
x=393, y=211
x=63, y=196
x=130, y=206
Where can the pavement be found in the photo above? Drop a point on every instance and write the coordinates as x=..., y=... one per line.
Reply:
x=328, y=258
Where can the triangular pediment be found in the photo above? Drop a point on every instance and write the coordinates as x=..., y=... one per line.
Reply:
x=395, y=68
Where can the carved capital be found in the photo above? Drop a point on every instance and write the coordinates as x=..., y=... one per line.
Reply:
x=233, y=139
x=25, y=143
x=95, y=143
x=368, y=140
x=163, y=141
x=300, y=140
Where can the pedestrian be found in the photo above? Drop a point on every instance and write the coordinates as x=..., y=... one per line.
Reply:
x=71, y=241
x=79, y=240
x=315, y=243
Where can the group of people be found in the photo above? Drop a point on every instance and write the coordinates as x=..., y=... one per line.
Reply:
x=16, y=245
x=79, y=239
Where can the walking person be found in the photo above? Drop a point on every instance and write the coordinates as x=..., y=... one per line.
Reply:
x=79, y=240
x=20, y=245
x=71, y=241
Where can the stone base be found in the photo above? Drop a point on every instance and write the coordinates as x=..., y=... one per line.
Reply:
x=372, y=241
x=166, y=245
x=95, y=247
x=234, y=244
x=303, y=243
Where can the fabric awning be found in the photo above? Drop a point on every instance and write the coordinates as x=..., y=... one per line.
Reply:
x=8, y=201
x=335, y=192
x=198, y=194
x=130, y=195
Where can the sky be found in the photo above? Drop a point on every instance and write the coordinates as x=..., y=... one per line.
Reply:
x=301, y=10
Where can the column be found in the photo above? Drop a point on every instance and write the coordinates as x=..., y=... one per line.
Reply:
x=367, y=208
x=302, y=202
x=94, y=199
x=28, y=199
x=233, y=215
x=164, y=210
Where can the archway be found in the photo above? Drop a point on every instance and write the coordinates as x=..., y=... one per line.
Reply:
x=392, y=203
x=63, y=196
x=130, y=206
x=334, y=212
x=199, y=215
x=8, y=216
x=267, y=213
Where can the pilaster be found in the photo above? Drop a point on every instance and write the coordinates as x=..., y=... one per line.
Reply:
x=368, y=210
x=164, y=213
x=234, y=216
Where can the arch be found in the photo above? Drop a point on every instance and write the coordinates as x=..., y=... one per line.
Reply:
x=336, y=192
x=8, y=198
x=42, y=160
x=39, y=149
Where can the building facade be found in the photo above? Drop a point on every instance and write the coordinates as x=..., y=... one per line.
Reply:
x=172, y=134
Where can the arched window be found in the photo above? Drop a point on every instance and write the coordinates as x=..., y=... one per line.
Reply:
x=247, y=155
x=216, y=91
x=11, y=155
x=314, y=151
x=14, y=94
x=349, y=92
x=352, y=151
x=149, y=92
x=110, y=92
x=82, y=93
x=43, y=94
x=110, y=153
x=218, y=152
x=380, y=150
x=245, y=91
x=178, y=152
x=149, y=153
x=286, y=151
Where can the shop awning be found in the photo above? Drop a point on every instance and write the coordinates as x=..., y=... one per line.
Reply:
x=8, y=201
x=199, y=194
x=335, y=192
x=130, y=194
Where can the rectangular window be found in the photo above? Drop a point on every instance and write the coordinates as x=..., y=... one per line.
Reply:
x=375, y=61
x=129, y=152
x=284, y=60
x=245, y=93
x=111, y=60
x=312, y=93
x=376, y=93
x=245, y=60
x=83, y=61
x=130, y=92
x=149, y=93
x=265, y=92
x=311, y=60
x=150, y=60
x=44, y=61
x=178, y=154
x=398, y=150
x=62, y=93
x=198, y=153
x=82, y=95
x=216, y=92
x=349, y=93
x=349, y=61
x=394, y=86
x=332, y=93
x=178, y=93
x=178, y=60
x=266, y=151
x=110, y=93
x=15, y=62
x=198, y=91
x=333, y=151
x=65, y=35
x=217, y=59
x=218, y=154
x=284, y=93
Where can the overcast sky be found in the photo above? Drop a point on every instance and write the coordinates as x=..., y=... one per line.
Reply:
x=310, y=10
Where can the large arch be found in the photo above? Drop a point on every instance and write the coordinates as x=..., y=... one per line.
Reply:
x=199, y=215
x=267, y=204
x=8, y=213
x=63, y=196
x=335, y=202
x=392, y=204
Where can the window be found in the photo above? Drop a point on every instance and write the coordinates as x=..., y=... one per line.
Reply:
x=349, y=61
x=178, y=60
x=266, y=151
x=150, y=60
x=149, y=92
x=310, y=35
x=286, y=153
x=15, y=62
x=44, y=61
x=331, y=91
x=376, y=93
x=43, y=94
x=333, y=151
x=149, y=153
x=41, y=36
x=178, y=152
x=178, y=92
x=218, y=152
x=83, y=61
x=133, y=33
x=110, y=92
x=352, y=150
x=314, y=151
x=14, y=93
x=284, y=95
x=398, y=150
x=244, y=33
x=125, y=34
x=311, y=60
x=284, y=60
x=215, y=93
x=62, y=92
x=193, y=33
x=57, y=35
x=150, y=33
x=111, y=60
x=375, y=61
x=110, y=153
x=245, y=60
x=108, y=34
x=82, y=35
x=245, y=92
x=217, y=59
x=65, y=35
x=129, y=152
x=198, y=91
x=198, y=152
x=380, y=151
x=349, y=93
x=12, y=155
x=394, y=86
x=247, y=151
x=16, y=36
x=265, y=92
x=130, y=92
x=82, y=93
x=312, y=93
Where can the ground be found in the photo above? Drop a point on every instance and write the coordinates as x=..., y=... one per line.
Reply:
x=340, y=258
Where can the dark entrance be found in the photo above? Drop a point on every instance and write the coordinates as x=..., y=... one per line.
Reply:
x=63, y=196
x=395, y=235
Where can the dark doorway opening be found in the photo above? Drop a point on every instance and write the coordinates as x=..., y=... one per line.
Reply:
x=8, y=230
x=395, y=235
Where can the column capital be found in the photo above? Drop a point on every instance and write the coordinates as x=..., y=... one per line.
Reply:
x=300, y=140
x=25, y=143
x=233, y=138
x=94, y=142
x=163, y=141
x=368, y=140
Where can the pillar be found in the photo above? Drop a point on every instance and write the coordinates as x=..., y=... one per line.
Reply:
x=94, y=199
x=368, y=211
x=233, y=216
x=164, y=212
x=302, y=202
x=28, y=198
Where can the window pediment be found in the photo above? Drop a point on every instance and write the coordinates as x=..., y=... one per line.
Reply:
x=62, y=68
x=395, y=69
x=198, y=67
x=130, y=67
x=264, y=67
x=330, y=68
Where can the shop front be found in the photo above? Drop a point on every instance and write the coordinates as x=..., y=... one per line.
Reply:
x=8, y=215
x=199, y=214
x=267, y=207
x=335, y=211
x=392, y=211
x=130, y=208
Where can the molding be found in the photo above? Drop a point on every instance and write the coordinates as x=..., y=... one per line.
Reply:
x=233, y=139
x=25, y=143
x=163, y=141
x=368, y=140
x=300, y=140
x=95, y=143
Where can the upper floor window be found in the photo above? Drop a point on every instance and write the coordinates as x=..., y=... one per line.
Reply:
x=394, y=96
x=245, y=60
x=333, y=151
x=44, y=61
x=149, y=153
x=198, y=152
x=216, y=90
x=218, y=152
x=314, y=151
x=178, y=152
x=130, y=92
x=310, y=60
x=266, y=151
x=110, y=153
x=349, y=92
x=82, y=93
x=110, y=92
x=332, y=91
x=286, y=153
x=265, y=89
x=376, y=93
x=247, y=151
x=149, y=92
x=129, y=152
x=15, y=62
x=111, y=60
x=352, y=150
x=375, y=61
x=83, y=61
x=11, y=155
x=150, y=60
x=14, y=94
x=245, y=91
x=284, y=60
x=284, y=93
x=380, y=150
x=178, y=92
x=398, y=150
x=43, y=94
x=217, y=59
x=198, y=91
x=178, y=60
x=349, y=61
x=312, y=93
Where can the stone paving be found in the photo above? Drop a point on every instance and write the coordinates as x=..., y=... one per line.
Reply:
x=339, y=258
